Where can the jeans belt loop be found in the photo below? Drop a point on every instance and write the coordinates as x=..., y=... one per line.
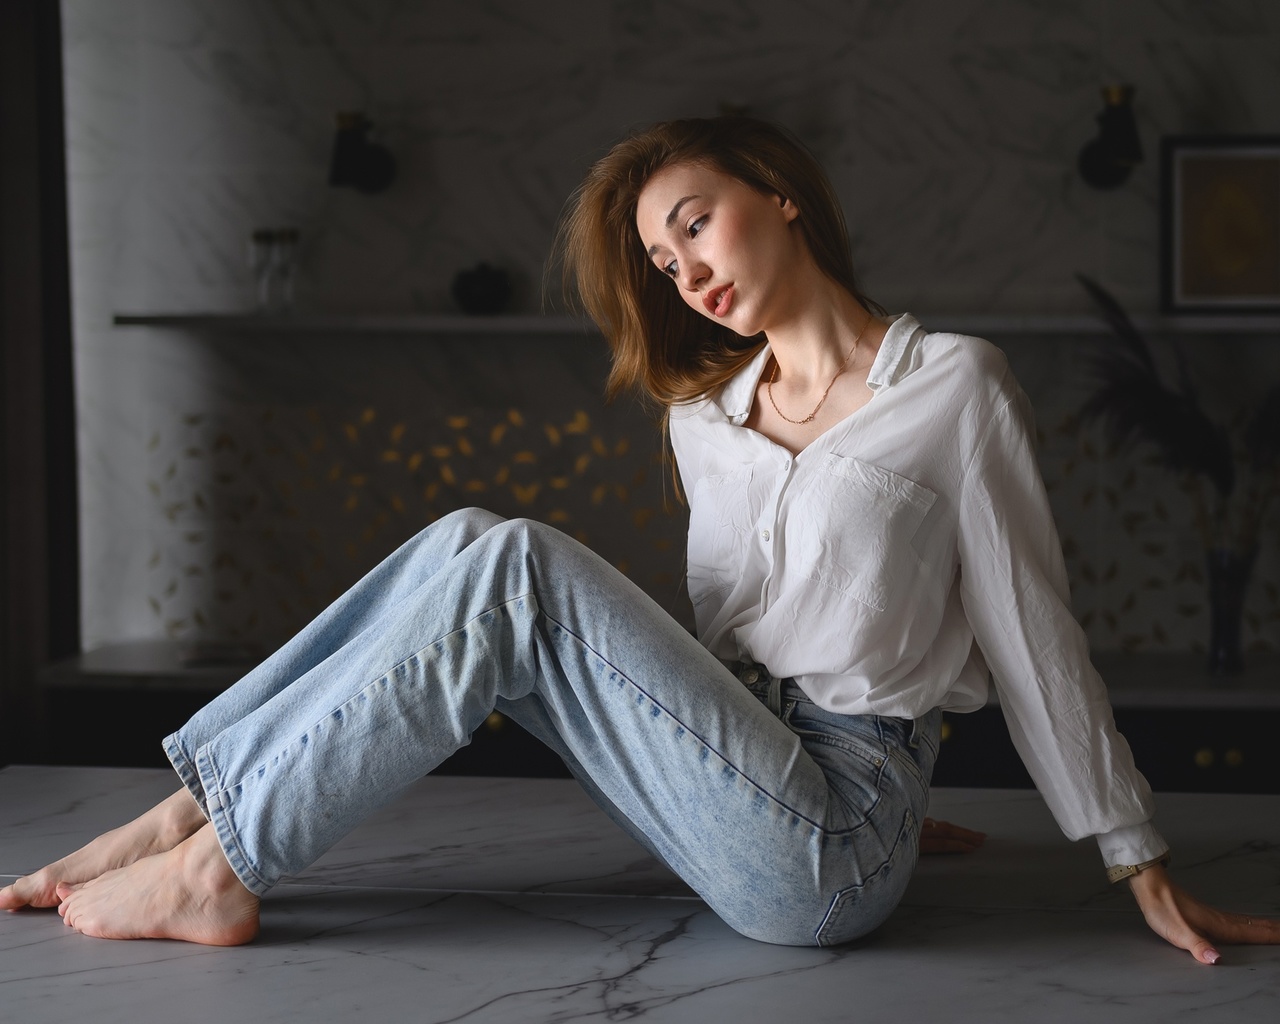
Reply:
x=775, y=696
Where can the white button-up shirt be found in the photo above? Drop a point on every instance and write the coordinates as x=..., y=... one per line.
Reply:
x=903, y=560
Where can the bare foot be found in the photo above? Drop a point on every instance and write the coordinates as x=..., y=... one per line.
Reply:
x=162, y=828
x=188, y=893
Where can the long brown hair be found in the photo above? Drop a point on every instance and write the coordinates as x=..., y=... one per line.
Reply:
x=660, y=346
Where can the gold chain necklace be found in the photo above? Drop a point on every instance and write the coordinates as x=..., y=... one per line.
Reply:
x=809, y=419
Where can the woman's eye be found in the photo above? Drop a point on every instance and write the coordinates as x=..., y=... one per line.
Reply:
x=697, y=226
x=671, y=269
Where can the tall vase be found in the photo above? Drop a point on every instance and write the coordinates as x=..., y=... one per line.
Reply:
x=1229, y=572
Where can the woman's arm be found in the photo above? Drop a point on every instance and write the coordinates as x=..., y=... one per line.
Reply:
x=1015, y=595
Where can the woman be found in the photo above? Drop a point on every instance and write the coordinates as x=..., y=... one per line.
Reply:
x=864, y=506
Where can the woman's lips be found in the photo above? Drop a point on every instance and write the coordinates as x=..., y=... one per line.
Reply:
x=718, y=300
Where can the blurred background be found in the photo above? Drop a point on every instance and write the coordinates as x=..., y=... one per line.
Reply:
x=241, y=364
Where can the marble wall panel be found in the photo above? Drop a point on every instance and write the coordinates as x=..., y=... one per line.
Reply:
x=273, y=490
x=950, y=129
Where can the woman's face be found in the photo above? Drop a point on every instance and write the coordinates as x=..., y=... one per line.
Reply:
x=730, y=250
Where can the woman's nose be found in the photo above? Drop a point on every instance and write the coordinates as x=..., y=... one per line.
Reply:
x=692, y=274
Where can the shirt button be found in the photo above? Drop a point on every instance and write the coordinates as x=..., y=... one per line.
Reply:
x=750, y=676
x=764, y=534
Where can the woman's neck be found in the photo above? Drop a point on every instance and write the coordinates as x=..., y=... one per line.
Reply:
x=817, y=341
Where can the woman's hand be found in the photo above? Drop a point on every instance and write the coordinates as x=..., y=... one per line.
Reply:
x=944, y=837
x=1180, y=918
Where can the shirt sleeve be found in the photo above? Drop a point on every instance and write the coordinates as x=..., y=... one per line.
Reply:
x=1014, y=589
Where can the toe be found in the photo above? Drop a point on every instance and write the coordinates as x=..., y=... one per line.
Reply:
x=25, y=892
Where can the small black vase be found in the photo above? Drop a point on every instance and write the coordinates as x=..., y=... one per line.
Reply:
x=1229, y=572
x=482, y=290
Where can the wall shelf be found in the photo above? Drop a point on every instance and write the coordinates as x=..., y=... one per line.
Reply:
x=988, y=325
x=997, y=324
x=317, y=323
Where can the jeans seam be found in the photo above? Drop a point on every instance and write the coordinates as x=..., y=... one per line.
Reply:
x=398, y=667
x=837, y=901
x=688, y=729
x=864, y=752
x=186, y=771
x=220, y=817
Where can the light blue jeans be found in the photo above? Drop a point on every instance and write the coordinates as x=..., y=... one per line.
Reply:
x=796, y=825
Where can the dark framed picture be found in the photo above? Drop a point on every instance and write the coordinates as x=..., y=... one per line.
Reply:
x=1220, y=224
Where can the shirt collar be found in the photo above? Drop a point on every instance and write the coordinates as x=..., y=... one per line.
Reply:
x=738, y=394
x=889, y=366
x=739, y=391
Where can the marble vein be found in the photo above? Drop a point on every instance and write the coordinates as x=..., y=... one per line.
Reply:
x=1026, y=930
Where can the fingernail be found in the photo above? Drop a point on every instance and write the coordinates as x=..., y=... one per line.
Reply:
x=1212, y=956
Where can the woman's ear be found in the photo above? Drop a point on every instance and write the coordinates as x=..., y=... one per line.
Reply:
x=789, y=209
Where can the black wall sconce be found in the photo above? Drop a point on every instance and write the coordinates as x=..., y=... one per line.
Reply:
x=356, y=161
x=1108, y=160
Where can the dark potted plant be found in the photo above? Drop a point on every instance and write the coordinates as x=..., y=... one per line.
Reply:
x=1232, y=477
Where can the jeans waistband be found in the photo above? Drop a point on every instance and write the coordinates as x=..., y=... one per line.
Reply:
x=761, y=681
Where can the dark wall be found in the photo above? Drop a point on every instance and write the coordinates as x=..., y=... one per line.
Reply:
x=39, y=603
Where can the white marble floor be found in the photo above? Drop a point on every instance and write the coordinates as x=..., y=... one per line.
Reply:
x=515, y=900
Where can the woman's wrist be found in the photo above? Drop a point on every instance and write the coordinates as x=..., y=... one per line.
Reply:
x=1121, y=871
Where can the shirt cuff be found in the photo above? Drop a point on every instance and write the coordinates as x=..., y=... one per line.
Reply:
x=1133, y=844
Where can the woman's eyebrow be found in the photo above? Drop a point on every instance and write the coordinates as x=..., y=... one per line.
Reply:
x=671, y=217
x=675, y=210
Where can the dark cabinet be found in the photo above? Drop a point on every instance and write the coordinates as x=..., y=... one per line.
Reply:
x=1189, y=732
x=1178, y=749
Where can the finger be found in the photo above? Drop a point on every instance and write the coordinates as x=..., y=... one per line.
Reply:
x=1223, y=925
x=1176, y=927
x=1203, y=951
x=1235, y=928
x=946, y=828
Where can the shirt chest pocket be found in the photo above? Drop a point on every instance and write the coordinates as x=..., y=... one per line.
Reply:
x=857, y=529
x=720, y=519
